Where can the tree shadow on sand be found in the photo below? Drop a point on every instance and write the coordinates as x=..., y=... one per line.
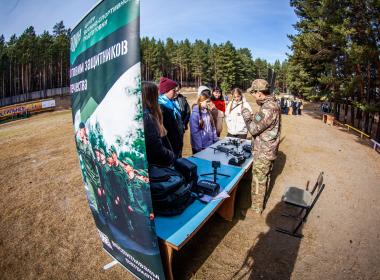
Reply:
x=274, y=254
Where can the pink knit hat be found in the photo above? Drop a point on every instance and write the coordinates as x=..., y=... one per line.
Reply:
x=166, y=85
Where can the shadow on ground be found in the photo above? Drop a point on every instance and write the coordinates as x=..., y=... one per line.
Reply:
x=244, y=192
x=196, y=252
x=314, y=113
x=200, y=247
x=278, y=167
x=274, y=254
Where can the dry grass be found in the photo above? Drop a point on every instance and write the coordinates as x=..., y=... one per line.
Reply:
x=47, y=231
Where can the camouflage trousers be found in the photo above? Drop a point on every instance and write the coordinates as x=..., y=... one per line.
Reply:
x=260, y=178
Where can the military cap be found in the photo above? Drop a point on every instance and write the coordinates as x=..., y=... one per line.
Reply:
x=82, y=125
x=112, y=150
x=259, y=85
x=101, y=149
x=126, y=160
x=142, y=172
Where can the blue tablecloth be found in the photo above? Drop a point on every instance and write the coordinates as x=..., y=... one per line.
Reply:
x=176, y=229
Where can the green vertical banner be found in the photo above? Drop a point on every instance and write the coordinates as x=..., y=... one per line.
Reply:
x=105, y=83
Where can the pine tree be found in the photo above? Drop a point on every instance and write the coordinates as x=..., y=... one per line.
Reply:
x=199, y=62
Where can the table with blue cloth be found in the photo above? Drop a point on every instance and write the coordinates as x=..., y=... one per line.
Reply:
x=174, y=232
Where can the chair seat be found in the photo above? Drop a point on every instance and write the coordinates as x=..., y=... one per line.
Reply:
x=297, y=196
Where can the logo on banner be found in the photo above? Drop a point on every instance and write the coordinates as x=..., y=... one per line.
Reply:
x=75, y=40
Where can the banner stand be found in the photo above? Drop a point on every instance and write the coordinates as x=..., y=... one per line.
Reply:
x=110, y=265
x=115, y=262
x=107, y=111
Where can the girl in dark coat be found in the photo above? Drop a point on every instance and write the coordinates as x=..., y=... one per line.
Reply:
x=158, y=148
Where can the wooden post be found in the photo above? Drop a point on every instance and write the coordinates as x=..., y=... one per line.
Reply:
x=330, y=120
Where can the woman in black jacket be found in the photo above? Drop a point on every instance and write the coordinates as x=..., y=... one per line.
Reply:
x=158, y=148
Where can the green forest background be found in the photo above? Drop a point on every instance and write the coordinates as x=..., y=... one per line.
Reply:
x=334, y=56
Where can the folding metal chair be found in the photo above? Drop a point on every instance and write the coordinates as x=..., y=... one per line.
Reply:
x=304, y=200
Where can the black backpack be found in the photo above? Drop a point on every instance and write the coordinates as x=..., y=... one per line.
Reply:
x=188, y=170
x=171, y=194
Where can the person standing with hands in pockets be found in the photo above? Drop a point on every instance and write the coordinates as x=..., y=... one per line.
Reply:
x=265, y=127
x=235, y=123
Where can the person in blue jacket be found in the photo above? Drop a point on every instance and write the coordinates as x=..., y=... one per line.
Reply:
x=202, y=126
x=171, y=114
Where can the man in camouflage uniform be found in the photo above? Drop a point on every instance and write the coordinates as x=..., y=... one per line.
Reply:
x=120, y=201
x=265, y=127
x=106, y=192
x=140, y=211
x=89, y=171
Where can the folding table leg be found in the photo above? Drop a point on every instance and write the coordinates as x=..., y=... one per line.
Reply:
x=227, y=209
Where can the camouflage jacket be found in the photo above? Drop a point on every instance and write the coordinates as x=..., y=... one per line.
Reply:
x=265, y=127
x=138, y=192
x=89, y=171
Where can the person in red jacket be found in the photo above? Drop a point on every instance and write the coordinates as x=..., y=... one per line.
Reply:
x=218, y=100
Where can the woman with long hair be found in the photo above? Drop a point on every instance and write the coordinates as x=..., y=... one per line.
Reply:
x=235, y=123
x=158, y=148
x=202, y=126
x=218, y=100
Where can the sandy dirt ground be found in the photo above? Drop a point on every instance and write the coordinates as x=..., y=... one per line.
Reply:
x=47, y=231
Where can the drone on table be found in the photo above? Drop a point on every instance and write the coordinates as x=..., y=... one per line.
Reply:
x=238, y=157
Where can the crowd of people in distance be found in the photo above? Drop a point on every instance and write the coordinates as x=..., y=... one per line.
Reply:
x=167, y=115
x=291, y=106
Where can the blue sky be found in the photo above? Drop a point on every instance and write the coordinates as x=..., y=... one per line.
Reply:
x=260, y=25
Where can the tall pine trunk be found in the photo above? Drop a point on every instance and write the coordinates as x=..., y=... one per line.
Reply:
x=3, y=84
x=371, y=119
x=352, y=115
x=61, y=78
x=377, y=137
x=10, y=77
x=345, y=111
x=22, y=79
